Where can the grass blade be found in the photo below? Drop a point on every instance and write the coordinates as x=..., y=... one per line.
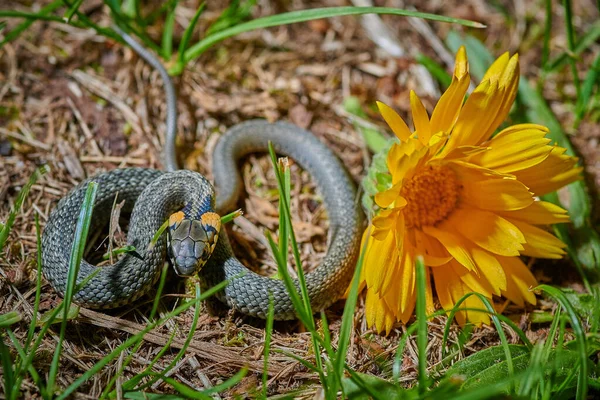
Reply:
x=167, y=36
x=268, y=334
x=306, y=314
x=7, y=371
x=23, y=26
x=591, y=80
x=72, y=10
x=5, y=230
x=421, y=324
x=135, y=338
x=185, y=40
x=568, y=13
x=582, y=386
x=308, y=15
x=38, y=283
x=348, y=316
x=10, y=318
x=81, y=233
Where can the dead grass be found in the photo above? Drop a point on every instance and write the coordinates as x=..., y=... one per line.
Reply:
x=83, y=104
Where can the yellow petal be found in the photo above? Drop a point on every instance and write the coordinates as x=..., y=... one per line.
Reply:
x=520, y=279
x=475, y=283
x=490, y=192
x=429, y=305
x=403, y=158
x=464, y=152
x=507, y=86
x=377, y=313
x=556, y=171
x=539, y=243
x=395, y=122
x=497, y=68
x=420, y=118
x=456, y=245
x=448, y=107
x=407, y=282
x=430, y=249
x=380, y=260
x=473, y=125
x=387, y=197
x=539, y=213
x=474, y=304
x=486, y=229
x=445, y=282
x=515, y=148
x=490, y=268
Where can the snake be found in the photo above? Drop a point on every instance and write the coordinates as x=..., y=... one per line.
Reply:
x=195, y=244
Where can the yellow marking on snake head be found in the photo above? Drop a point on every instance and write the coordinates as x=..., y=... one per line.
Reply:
x=212, y=225
x=176, y=218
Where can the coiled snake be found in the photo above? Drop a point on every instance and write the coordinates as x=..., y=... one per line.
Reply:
x=188, y=200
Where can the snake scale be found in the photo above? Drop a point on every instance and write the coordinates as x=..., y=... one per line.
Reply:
x=188, y=200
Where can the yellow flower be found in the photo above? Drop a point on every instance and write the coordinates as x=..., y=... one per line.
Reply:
x=463, y=200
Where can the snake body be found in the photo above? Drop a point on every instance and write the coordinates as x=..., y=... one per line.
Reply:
x=153, y=195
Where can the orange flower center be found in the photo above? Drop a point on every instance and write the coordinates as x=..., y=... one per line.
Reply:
x=431, y=195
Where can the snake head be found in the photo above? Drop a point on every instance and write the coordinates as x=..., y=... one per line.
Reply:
x=192, y=241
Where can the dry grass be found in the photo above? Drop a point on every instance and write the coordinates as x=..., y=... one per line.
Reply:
x=82, y=104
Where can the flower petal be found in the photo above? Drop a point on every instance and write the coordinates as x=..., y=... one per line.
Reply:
x=420, y=118
x=475, y=283
x=387, y=197
x=508, y=83
x=430, y=249
x=473, y=125
x=377, y=313
x=380, y=260
x=448, y=107
x=515, y=148
x=539, y=243
x=406, y=283
x=456, y=245
x=556, y=171
x=491, y=269
x=490, y=192
x=445, y=281
x=539, y=213
x=520, y=278
x=395, y=122
x=486, y=229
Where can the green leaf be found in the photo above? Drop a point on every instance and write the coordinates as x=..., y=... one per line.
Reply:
x=488, y=365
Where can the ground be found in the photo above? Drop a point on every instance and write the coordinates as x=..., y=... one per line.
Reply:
x=81, y=103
